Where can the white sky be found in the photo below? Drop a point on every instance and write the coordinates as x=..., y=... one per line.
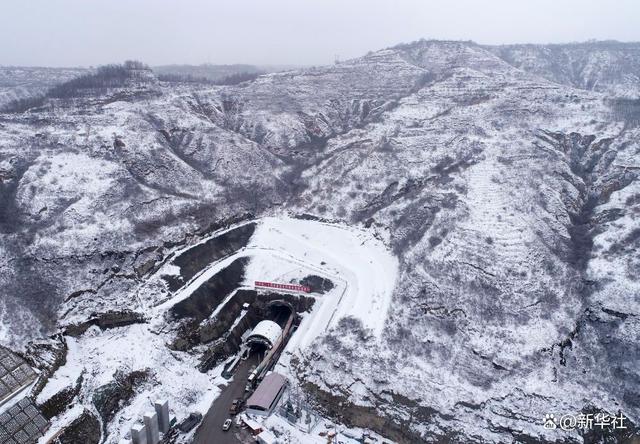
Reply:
x=92, y=32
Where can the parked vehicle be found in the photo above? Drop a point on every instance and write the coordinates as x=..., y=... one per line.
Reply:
x=236, y=405
x=227, y=425
x=190, y=422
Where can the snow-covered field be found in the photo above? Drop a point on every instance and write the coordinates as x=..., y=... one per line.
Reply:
x=363, y=270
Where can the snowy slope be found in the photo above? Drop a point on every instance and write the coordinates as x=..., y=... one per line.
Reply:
x=504, y=185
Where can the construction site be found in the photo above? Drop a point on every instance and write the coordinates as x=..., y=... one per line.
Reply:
x=207, y=355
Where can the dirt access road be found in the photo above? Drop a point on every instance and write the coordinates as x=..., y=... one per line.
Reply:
x=210, y=430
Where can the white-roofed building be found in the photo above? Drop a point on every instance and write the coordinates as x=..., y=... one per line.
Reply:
x=266, y=437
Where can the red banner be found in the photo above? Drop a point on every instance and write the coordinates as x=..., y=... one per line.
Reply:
x=289, y=287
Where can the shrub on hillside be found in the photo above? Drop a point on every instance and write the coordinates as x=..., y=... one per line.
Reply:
x=234, y=79
x=22, y=105
x=105, y=77
x=183, y=78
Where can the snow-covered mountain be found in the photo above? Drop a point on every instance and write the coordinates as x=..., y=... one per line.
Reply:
x=610, y=67
x=21, y=82
x=503, y=179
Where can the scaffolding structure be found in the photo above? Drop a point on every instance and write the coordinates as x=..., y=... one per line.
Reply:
x=296, y=411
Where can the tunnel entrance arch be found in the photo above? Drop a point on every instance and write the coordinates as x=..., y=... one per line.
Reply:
x=266, y=333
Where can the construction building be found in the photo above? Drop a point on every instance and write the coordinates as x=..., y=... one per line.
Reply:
x=22, y=423
x=15, y=374
x=20, y=420
x=267, y=394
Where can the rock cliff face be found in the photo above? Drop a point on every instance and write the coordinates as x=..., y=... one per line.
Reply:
x=504, y=178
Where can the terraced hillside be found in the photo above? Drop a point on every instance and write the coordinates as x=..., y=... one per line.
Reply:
x=507, y=189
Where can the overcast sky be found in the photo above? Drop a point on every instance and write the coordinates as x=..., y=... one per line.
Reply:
x=303, y=32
